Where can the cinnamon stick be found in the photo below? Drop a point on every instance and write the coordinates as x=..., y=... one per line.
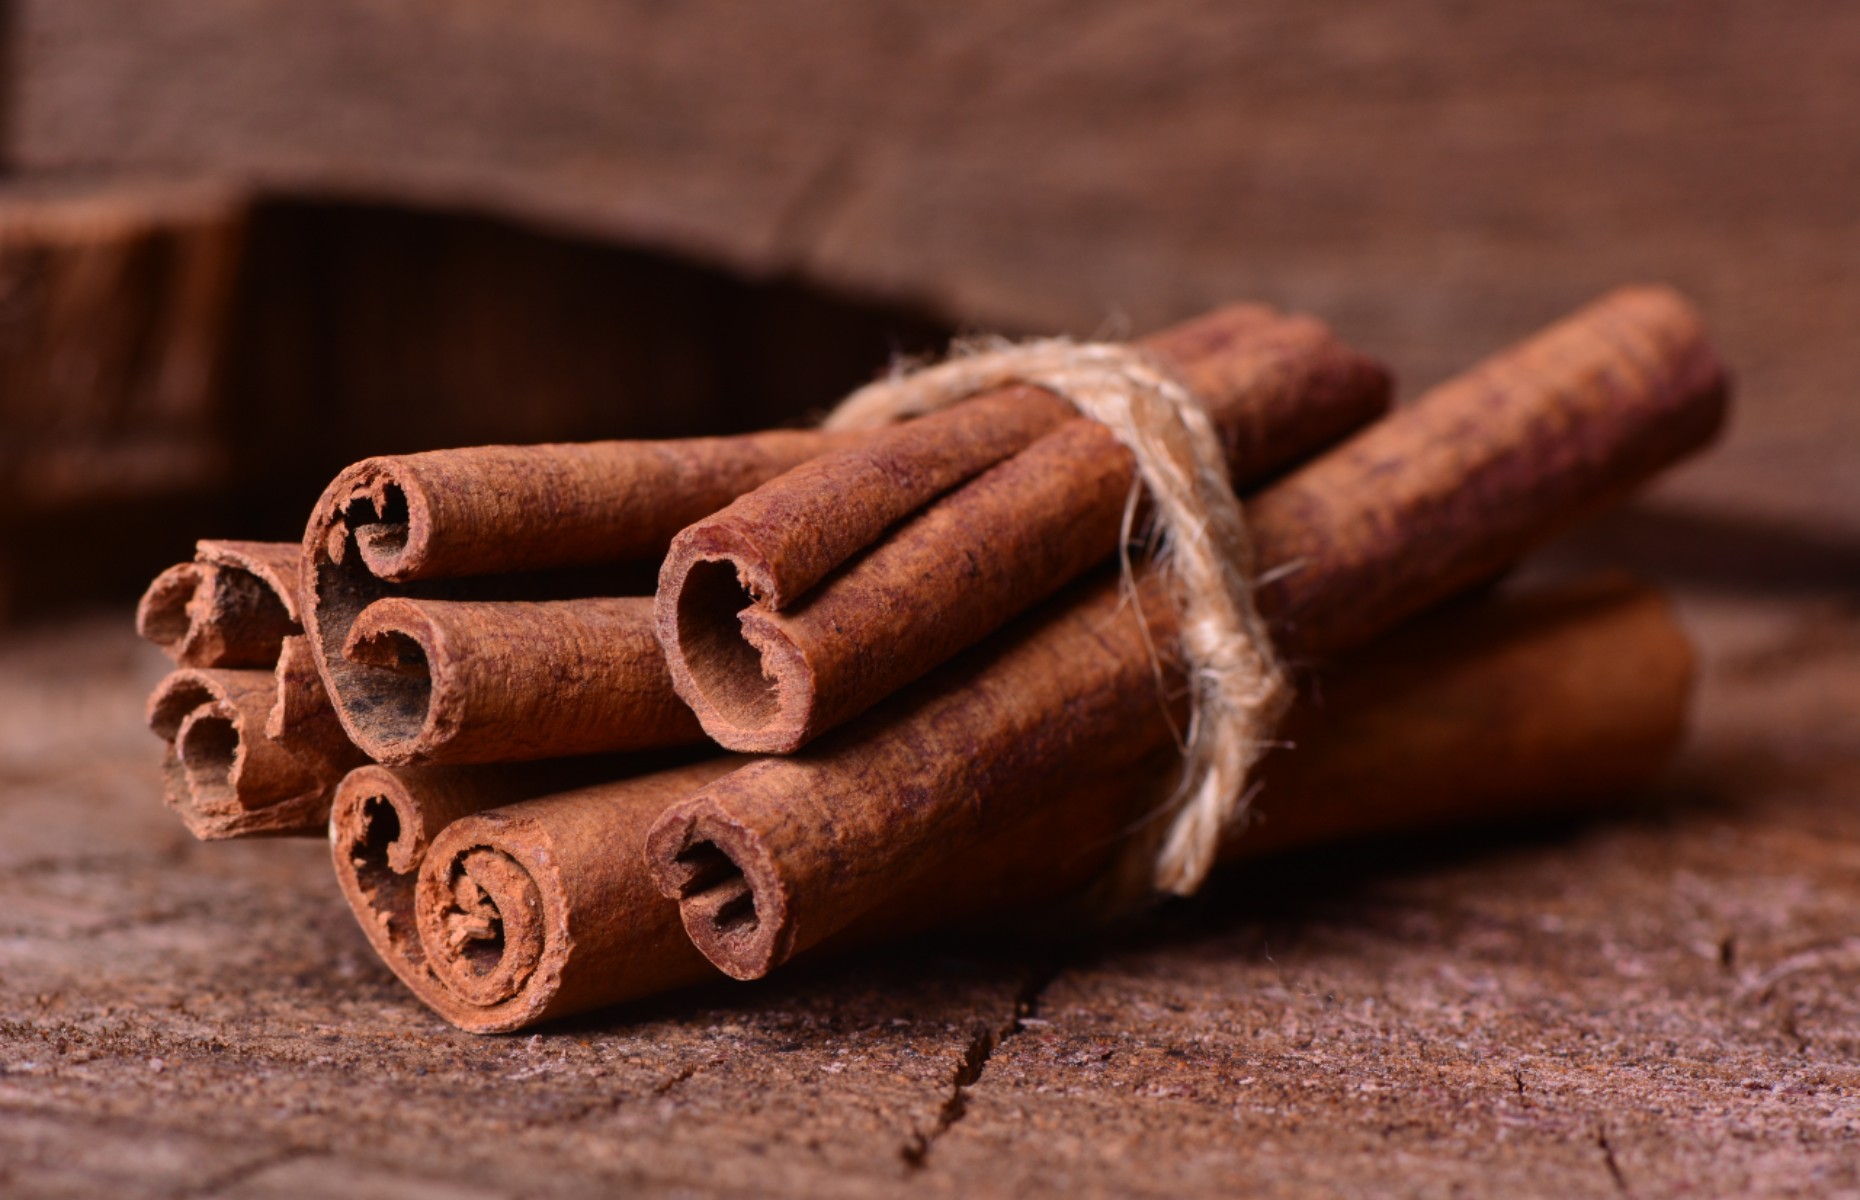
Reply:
x=383, y=822
x=1539, y=434
x=1548, y=701
x=1449, y=491
x=1497, y=709
x=524, y=912
x=222, y=774
x=1578, y=693
x=230, y=607
x=770, y=656
x=479, y=682
x=250, y=751
x=1549, y=705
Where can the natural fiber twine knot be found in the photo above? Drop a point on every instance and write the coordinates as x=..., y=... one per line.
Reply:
x=1237, y=687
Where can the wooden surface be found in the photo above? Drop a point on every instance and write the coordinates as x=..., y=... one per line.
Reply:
x=1660, y=1004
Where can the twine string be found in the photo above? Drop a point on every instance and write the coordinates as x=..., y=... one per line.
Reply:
x=1237, y=686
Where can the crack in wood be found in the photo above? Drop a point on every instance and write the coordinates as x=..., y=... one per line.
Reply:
x=1608, y=1159
x=613, y=1104
x=1787, y=1024
x=677, y=1077
x=247, y=1171
x=974, y=1061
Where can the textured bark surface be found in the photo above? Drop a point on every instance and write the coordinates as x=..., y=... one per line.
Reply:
x=232, y=605
x=513, y=681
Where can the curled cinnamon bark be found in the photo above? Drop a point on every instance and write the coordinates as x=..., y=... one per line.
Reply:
x=480, y=682
x=301, y=719
x=494, y=510
x=231, y=607
x=1385, y=526
x=527, y=911
x=460, y=524
x=223, y=775
x=383, y=821
x=770, y=650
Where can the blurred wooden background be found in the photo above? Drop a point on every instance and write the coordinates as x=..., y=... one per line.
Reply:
x=486, y=220
x=244, y=241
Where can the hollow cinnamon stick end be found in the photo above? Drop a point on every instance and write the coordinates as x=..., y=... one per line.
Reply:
x=215, y=614
x=224, y=777
x=162, y=615
x=379, y=503
x=272, y=564
x=752, y=689
x=215, y=816
x=375, y=833
x=391, y=707
x=732, y=899
x=492, y=918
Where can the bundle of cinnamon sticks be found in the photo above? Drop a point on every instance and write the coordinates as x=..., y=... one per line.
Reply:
x=896, y=676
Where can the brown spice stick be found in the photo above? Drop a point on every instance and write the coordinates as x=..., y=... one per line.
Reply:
x=1449, y=491
x=384, y=819
x=495, y=510
x=480, y=682
x=1578, y=692
x=1498, y=709
x=417, y=525
x=769, y=660
x=1546, y=430
x=230, y=607
x=224, y=776
x=790, y=532
x=1540, y=702
x=529, y=911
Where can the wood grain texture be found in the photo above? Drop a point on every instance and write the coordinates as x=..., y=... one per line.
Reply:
x=114, y=302
x=1432, y=180
x=1673, y=991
